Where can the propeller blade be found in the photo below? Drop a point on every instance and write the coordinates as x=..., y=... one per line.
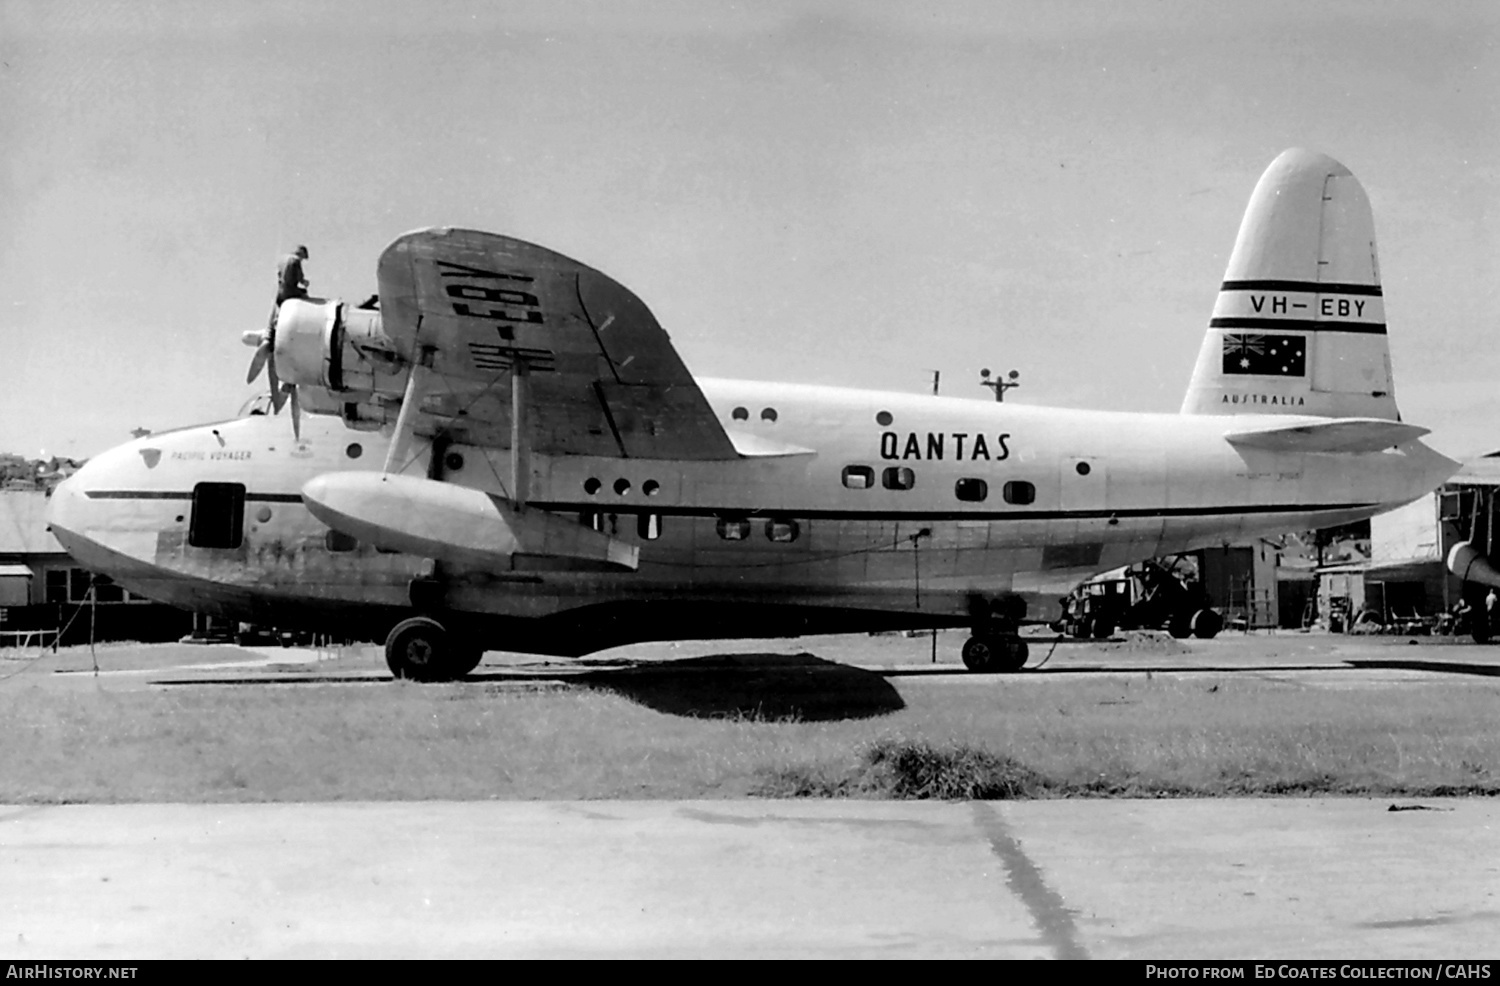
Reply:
x=278, y=397
x=291, y=389
x=257, y=361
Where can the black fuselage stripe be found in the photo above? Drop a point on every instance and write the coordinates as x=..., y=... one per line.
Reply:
x=1307, y=287
x=816, y=514
x=185, y=495
x=1295, y=325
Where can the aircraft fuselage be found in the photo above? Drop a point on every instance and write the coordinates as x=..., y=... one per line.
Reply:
x=858, y=510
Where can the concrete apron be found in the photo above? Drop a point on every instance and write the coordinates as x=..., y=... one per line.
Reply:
x=1241, y=878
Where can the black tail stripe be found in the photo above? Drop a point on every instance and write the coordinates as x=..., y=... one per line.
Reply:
x=1296, y=325
x=1313, y=287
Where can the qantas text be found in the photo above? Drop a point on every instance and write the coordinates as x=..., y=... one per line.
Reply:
x=956, y=446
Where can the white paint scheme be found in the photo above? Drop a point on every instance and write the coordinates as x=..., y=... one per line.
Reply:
x=1305, y=256
x=1110, y=488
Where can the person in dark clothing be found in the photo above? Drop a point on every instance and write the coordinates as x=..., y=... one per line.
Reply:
x=289, y=280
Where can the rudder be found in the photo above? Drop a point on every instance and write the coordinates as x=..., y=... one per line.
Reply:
x=1299, y=326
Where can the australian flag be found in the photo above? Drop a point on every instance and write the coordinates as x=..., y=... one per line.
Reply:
x=1267, y=355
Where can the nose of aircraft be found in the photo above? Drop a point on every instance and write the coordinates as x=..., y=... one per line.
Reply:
x=67, y=506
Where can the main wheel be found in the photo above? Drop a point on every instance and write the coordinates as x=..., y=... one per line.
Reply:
x=466, y=658
x=420, y=649
x=1013, y=654
x=1103, y=629
x=1180, y=625
x=988, y=655
x=979, y=654
x=1207, y=624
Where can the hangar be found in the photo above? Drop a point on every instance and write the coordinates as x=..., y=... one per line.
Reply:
x=1405, y=585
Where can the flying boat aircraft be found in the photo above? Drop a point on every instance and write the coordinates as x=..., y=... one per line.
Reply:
x=507, y=453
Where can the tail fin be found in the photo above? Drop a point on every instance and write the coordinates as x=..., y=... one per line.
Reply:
x=1299, y=327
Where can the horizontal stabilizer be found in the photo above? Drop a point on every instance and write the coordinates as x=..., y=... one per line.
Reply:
x=451, y=523
x=1333, y=435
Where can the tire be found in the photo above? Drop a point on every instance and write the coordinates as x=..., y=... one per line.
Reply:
x=979, y=654
x=995, y=655
x=1207, y=624
x=419, y=649
x=466, y=659
x=1103, y=629
x=1181, y=625
x=1013, y=655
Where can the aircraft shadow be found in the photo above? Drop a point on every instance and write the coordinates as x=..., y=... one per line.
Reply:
x=949, y=669
x=1449, y=667
x=751, y=686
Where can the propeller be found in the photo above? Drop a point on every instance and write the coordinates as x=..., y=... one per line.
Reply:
x=264, y=341
x=291, y=391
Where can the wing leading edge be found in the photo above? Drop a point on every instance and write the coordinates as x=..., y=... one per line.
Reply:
x=603, y=378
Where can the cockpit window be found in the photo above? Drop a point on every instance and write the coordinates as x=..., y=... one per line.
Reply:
x=218, y=519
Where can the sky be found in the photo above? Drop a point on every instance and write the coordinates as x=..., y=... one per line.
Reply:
x=852, y=193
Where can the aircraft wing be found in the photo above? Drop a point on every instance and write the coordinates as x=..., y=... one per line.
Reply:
x=603, y=378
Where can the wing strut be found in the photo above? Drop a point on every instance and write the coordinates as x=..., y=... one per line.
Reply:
x=418, y=385
x=520, y=451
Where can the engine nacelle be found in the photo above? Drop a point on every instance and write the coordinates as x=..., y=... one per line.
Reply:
x=327, y=344
x=1469, y=564
x=362, y=412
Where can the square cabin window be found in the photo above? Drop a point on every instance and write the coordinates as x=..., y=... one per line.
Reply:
x=782, y=531
x=1020, y=492
x=733, y=528
x=218, y=519
x=859, y=477
x=971, y=490
x=898, y=478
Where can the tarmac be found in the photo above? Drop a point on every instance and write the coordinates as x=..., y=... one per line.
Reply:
x=1332, y=878
x=1222, y=879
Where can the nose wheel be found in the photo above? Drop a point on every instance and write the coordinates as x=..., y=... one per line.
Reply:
x=995, y=653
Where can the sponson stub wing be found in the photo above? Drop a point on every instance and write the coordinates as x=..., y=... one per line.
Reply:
x=602, y=376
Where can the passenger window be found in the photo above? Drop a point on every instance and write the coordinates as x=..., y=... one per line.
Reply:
x=781, y=531
x=971, y=490
x=218, y=519
x=859, y=477
x=898, y=478
x=734, y=528
x=1017, y=491
x=648, y=526
x=339, y=541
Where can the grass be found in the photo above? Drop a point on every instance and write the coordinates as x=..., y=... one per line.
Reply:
x=753, y=725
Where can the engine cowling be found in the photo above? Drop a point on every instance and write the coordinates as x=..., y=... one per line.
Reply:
x=327, y=344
